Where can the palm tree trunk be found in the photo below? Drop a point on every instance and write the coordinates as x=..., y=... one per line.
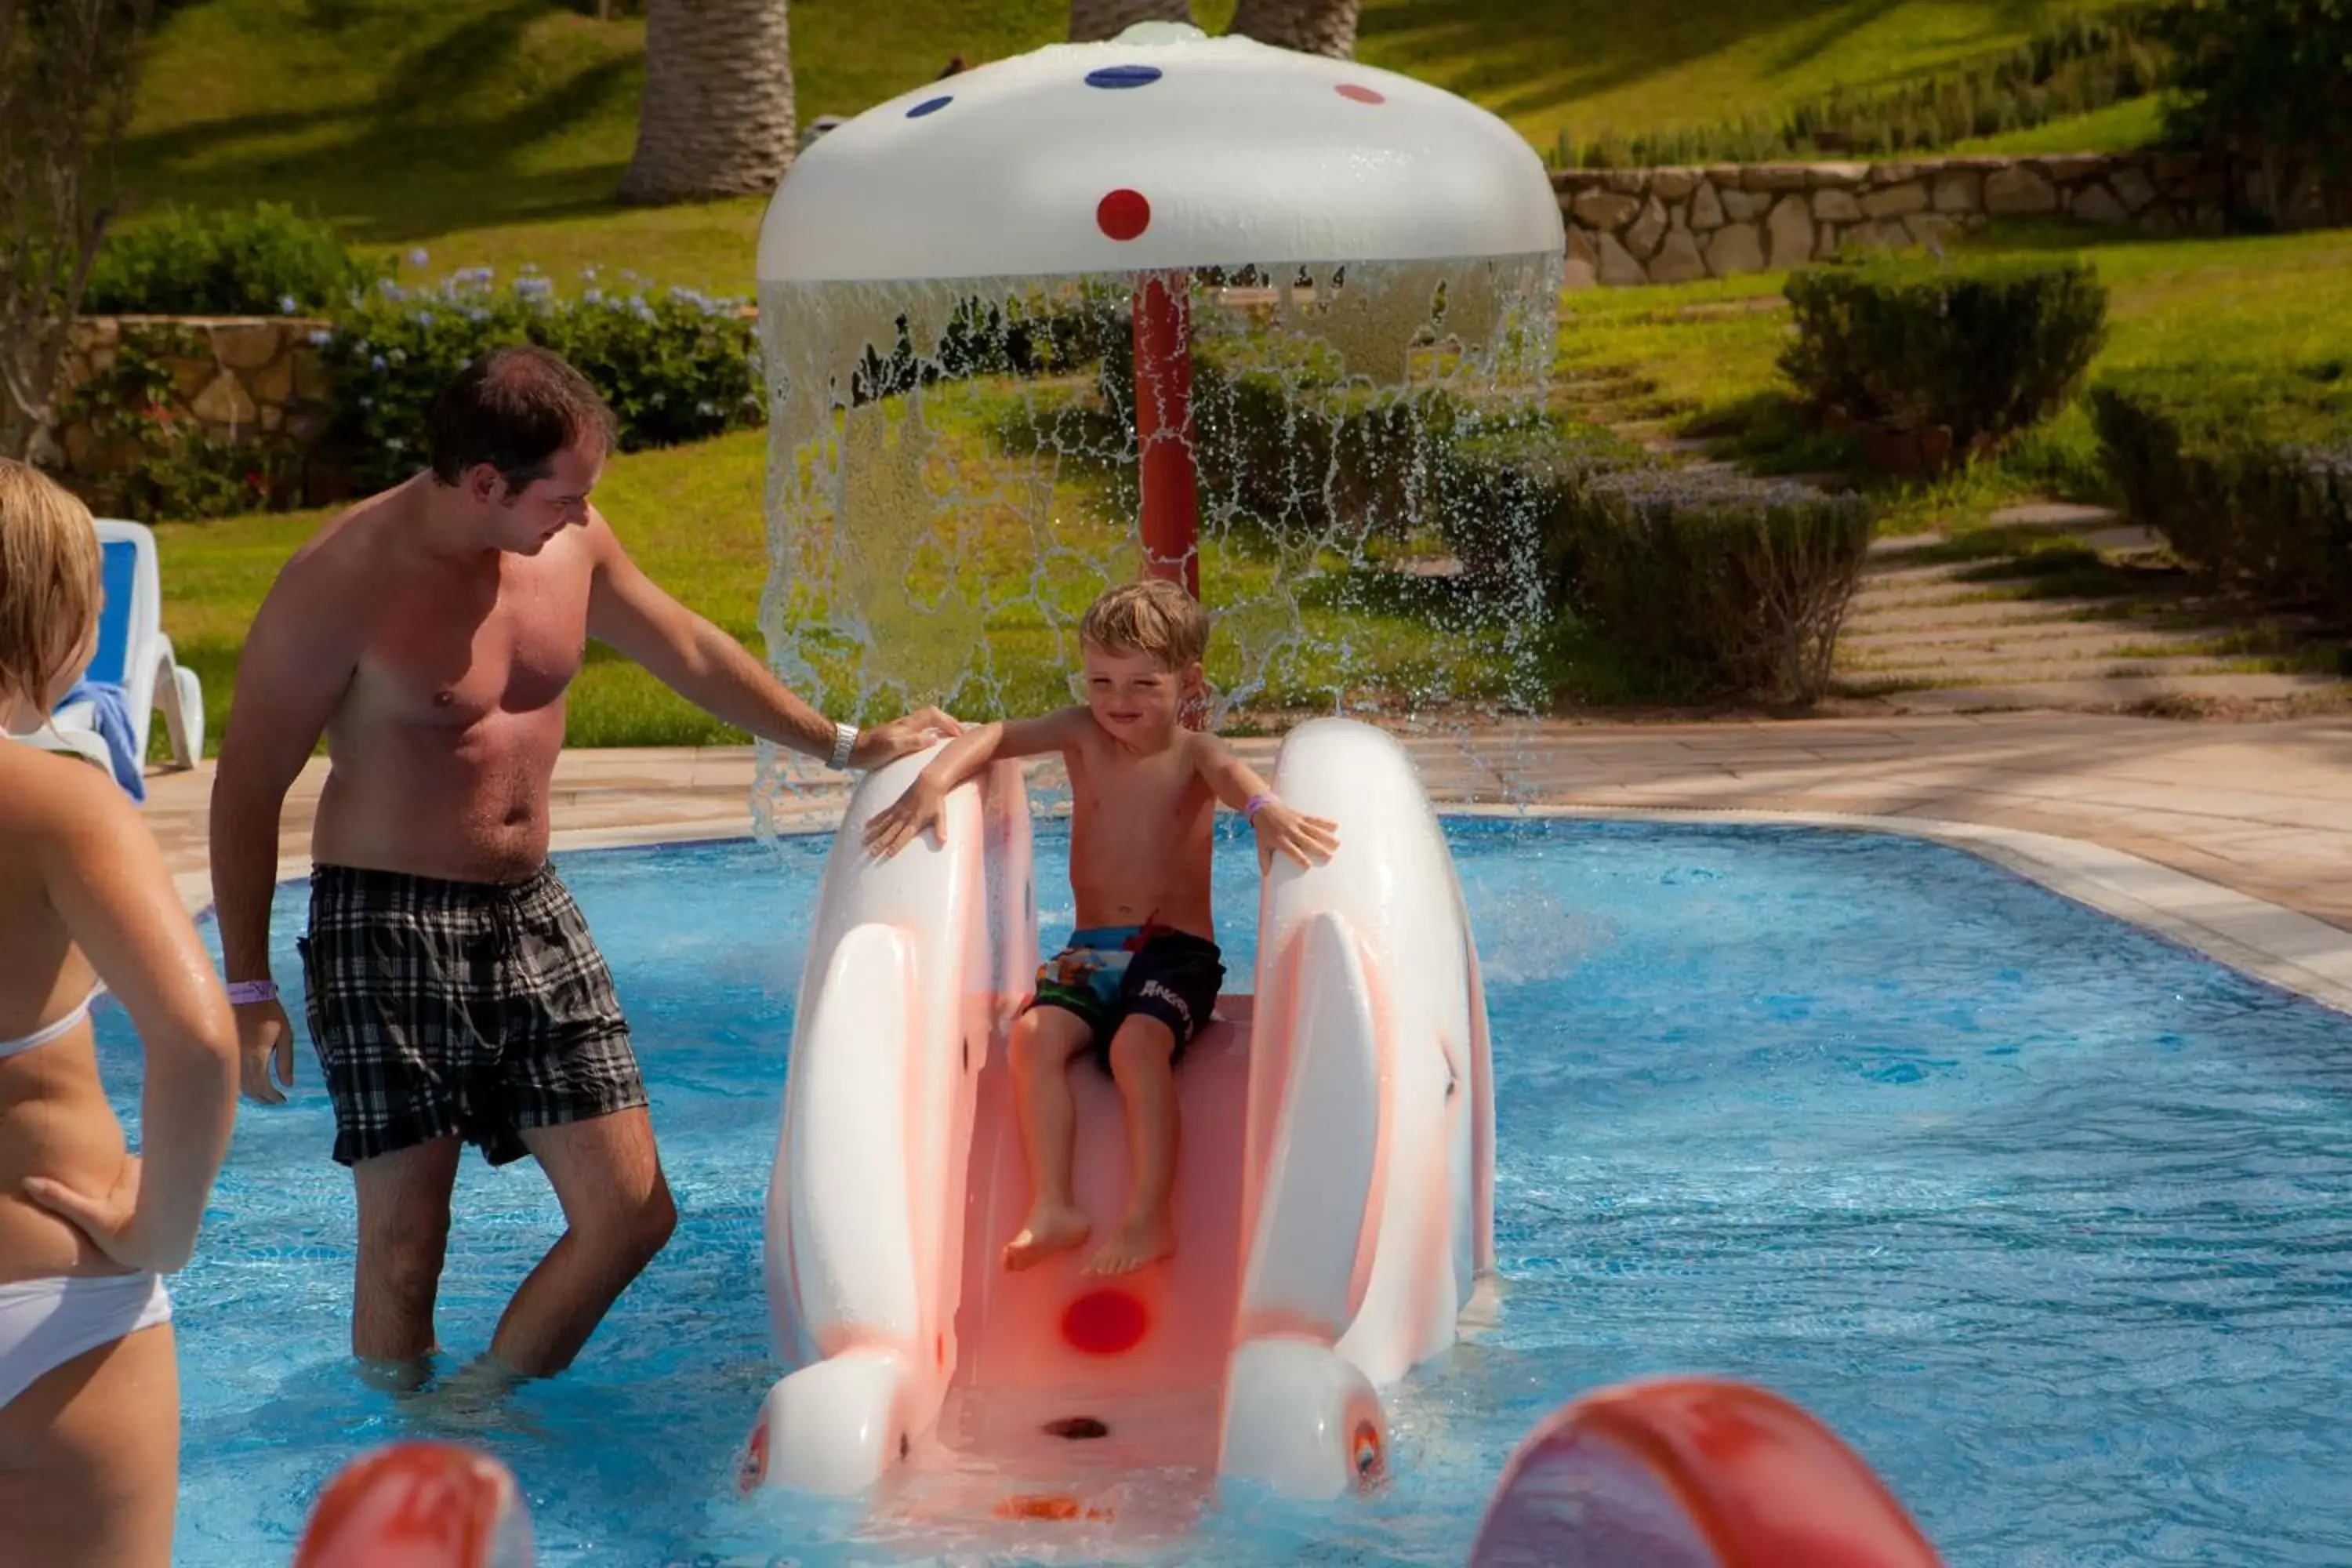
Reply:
x=1310, y=27
x=716, y=116
x=1091, y=20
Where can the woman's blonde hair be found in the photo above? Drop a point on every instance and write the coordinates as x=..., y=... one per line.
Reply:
x=1155, y=617
x=48, y=579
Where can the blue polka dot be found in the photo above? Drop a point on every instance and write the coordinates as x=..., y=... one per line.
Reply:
x=1123, y=76
x=929, y=106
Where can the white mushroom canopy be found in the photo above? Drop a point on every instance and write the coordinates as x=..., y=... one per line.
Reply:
x=1162, y=149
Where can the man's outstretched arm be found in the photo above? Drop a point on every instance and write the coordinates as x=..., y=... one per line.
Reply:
x=629, y=611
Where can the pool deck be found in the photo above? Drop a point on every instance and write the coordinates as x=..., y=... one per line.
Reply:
x=2234, y=837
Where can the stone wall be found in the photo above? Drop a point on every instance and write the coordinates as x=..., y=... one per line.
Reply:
x=1679, y=225
x=235, y=379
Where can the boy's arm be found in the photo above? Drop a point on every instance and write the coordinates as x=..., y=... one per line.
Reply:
x=893, y=829
x=1310, y=840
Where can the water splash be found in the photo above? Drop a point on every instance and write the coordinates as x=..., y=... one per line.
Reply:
x=953, y=476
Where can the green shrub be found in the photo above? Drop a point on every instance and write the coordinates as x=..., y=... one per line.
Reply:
x=1981, y=348
x=675, y=366
x=264, y=262
x=2246, y=470
x=2270, y=73
x=2083, y=65
x=1716, y=582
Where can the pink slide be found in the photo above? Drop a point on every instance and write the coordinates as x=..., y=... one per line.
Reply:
x=1333, y=1195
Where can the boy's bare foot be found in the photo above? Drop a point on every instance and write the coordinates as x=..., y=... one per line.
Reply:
x=1049, y=1231
x=1139, y=1239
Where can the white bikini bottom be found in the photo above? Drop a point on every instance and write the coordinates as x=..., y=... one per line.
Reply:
x=45, y=1323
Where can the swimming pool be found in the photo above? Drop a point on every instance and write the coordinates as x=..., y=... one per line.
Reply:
x=2050, y=1219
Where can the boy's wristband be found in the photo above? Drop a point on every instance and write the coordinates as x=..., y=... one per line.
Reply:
x=1257, y=803
x=243, y=993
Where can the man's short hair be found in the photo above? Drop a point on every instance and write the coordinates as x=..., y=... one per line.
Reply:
x=50, y=562
x=1155, y=617
x=514, y=408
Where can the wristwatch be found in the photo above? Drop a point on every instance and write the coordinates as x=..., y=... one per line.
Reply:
x=243, y=992
x=844, y=741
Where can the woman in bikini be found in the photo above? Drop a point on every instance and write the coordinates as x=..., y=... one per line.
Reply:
x=89, y=1399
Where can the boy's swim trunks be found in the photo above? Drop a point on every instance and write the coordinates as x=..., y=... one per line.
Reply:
x=1110, y=974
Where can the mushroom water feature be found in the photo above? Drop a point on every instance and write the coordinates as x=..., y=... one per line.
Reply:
x=1185, y=305
x=1210, y=310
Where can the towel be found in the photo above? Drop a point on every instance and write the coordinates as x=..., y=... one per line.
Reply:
x=111, y=706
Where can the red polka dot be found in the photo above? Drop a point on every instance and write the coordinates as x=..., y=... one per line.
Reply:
x=1123, y=215
x=1104, y=1322
x=1349, y=90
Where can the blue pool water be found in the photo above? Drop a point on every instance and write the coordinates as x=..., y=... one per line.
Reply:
x=2052, y=1220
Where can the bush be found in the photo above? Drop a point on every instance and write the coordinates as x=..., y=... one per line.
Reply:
x=2271, y=73
x=1719, y=583
x=2247, y=471
x=675, y=367
x=265, y=262
x=1980, y=349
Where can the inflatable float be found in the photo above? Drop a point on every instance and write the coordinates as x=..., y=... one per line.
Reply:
x=1335, y=1185
x=418, y=1505
x=1692, y=1472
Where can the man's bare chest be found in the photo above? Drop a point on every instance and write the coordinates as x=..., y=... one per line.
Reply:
x=455, y=652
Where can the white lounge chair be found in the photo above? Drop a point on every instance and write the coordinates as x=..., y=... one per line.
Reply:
x=133, y=653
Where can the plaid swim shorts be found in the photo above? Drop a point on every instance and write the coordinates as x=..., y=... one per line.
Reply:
x=459, y=1009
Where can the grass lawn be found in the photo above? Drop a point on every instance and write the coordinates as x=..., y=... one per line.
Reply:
x=493, y=132
x=2118, y=128
x=1589, y=67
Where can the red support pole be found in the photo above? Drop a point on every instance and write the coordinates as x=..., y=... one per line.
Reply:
x=1164, y=428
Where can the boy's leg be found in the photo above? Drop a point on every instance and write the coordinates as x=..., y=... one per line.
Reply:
x=1140, y=1057
x=1044, y=1041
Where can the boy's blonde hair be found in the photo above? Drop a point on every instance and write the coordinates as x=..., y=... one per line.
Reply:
x=48, y=579
x=1155, y=617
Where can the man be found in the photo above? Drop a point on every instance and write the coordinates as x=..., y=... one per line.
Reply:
x=454, y=994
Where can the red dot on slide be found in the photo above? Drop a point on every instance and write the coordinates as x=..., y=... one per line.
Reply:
x=1104, y=1322
x=1349, y=90
x=1123, y=215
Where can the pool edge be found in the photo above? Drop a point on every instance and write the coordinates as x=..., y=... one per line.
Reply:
x=2290, y=950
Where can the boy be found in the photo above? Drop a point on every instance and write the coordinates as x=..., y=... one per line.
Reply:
x=1141, y=972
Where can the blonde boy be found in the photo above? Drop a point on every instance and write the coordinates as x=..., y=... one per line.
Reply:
x=1136, y=983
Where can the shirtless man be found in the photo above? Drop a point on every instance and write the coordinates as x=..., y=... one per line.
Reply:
x=1141, y=972
x=454, y=992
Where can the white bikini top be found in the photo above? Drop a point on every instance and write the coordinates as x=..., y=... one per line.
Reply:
x=54, y=1031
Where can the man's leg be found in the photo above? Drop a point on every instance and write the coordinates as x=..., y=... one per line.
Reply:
x=1044, y=1041
x=1140, y=1055
x=617, y=1215
x=404, y=1204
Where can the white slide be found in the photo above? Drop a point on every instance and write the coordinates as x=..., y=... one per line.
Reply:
x=1334, y=1199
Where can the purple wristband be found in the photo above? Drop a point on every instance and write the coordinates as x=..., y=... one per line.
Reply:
x=1257, y=803
x=241, y=991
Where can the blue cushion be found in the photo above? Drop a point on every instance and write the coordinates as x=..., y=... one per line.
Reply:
x=122, y=570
